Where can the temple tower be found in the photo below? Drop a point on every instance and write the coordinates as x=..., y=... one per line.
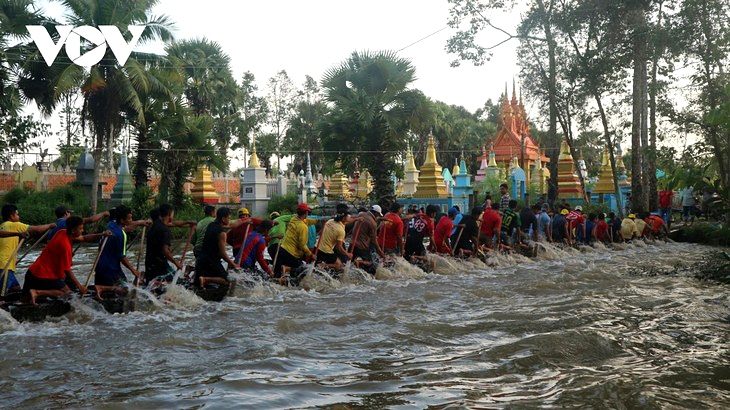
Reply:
x=410, y=182
x=568, y=182
x=339, y=185
x=431, y=182
x=124, y=188
x=254, y=194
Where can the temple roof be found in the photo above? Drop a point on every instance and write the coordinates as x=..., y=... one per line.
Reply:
x=513, y=125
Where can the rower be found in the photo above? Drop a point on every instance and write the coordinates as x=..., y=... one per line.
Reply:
x=419, y=228
x=466, y=237
x=490, y=227
x=208, y=267
x=391, y=233
x=159, y=240
x=62, y=213
x=48, y=274
x=253, y=249
x=294, y=248
x=366, y=239
x=8, y=245
x=332, y=253
x=511, y=224
x=199, y=234
x=109, y=275
x=628, y=228
x=442, y=233
x=559, y=227
x=236, y=236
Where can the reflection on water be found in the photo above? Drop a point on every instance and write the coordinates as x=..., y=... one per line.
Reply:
x=573, y=328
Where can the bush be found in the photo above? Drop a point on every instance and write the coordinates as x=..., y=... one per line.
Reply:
x=142, y=202
x=14, y=196
x=705, y=233
x=283, y=204
x=596, y=208
x=36, y=208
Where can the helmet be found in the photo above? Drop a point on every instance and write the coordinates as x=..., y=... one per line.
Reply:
x=243, y=211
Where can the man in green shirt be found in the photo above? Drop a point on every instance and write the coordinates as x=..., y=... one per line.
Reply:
x=199, y=233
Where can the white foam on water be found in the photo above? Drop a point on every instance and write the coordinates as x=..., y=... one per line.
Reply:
x=178, y=297
x=400, y=269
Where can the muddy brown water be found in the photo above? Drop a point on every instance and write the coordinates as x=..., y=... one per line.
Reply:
x=629, y=328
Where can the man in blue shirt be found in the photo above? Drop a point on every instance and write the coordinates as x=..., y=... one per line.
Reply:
x=62, y=213
x=109, y=274
x=543, y=224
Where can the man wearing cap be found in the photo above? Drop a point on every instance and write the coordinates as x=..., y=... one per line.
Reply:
x=62, y=213
x=237, y=234
x=294, y=248
x=365, y=237
x=209, y=267
x=559, y=227
x=442, y=233
x=577, y=224
x=628, y=228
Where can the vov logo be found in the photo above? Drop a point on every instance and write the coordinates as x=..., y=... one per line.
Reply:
x=70, y=36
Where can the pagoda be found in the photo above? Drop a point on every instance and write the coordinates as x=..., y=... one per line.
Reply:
x=339, y=186
x=431, y=182
x=124, y=187
x=513, y=128
x=568, y=182
x=482, y=171
x=462, y=181
x=410, y=182
x=493, y=170
x=254, y=191
x=605, y=176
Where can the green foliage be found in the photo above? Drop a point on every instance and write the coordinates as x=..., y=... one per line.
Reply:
x=596, y=208
x=283, y=203
x=15, y=195
x=142, y=202
x=705, y=233
x=36, y=208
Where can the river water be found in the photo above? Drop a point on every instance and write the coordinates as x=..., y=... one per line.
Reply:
x=600, y=328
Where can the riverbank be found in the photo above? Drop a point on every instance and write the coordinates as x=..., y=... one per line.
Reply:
x=705, y=232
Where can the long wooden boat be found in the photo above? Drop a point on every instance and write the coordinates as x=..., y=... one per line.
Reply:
x=27, y=312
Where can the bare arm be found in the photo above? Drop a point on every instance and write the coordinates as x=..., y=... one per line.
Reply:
x=169, y=257
x=40, y=228
x=222, y=250
x=82, y=288
x=96, y=218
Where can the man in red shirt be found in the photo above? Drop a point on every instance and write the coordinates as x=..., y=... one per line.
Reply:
x=442, y=233
x=655, y=227
x=665, y=205
x=390, y=236
x=600, y=232
x=47, y=275
x=491, y=224
x=237, y=235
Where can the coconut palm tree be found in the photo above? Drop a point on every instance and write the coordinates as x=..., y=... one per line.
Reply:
x=109, y=88
x=372, y=107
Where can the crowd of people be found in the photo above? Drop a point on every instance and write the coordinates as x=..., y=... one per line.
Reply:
x=293, y=241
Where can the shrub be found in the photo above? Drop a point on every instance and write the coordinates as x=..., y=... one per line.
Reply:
x=283, y=204
x=705, y=233
x=36, y=208
x=142, y=202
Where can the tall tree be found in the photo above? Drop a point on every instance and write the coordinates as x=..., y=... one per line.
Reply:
x=371, y=108
x=281, y=101
x=107, y=87
x=302, y=135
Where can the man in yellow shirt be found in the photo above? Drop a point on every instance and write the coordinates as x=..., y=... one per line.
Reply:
x=332, y=252
x=11, y=223
x=628, y=228
x=294, y=250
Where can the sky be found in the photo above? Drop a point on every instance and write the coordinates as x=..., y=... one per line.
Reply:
x=308, y=37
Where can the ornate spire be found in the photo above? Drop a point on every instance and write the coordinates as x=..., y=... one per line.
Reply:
x=431, y=181
x=514, y=93
x=254, y=160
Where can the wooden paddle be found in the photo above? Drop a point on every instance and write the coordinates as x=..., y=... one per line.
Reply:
x=96, y=261
x=141, y=246
x=458, y=237
x=354, y=240
x=34, y=245
x=237, y=259
x=7, y=265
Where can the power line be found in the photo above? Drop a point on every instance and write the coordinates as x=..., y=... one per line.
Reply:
x=418, y=41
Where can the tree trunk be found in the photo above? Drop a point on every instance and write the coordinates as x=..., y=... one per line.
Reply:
x=553, y=140
x=143, y=163
x=611, y=154
x=639, y=56
x=98, y=151
x=651, y=153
